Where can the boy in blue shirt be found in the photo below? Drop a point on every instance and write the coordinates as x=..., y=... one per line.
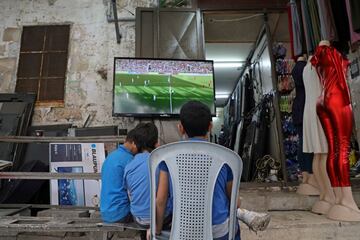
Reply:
x=114, y=206
x=137, y=179
x=195, y=124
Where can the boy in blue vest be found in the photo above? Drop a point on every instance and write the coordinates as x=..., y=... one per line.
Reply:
x=195, y=124
x=115, y=206
x=137, y=178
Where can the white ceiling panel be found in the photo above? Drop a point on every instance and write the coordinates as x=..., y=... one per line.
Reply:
x=228, y=59
x=224, y=52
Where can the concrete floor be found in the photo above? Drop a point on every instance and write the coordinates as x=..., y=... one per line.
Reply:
x=303, y=225
x=291, y=217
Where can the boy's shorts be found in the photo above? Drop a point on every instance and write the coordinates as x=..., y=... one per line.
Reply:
x=130, y=218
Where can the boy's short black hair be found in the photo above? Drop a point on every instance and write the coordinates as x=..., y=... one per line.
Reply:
x=195, y=118
x=144, y=136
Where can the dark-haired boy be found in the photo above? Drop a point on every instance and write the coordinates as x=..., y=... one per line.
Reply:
x=114, y=205
x=195, y=124
x=137, y=179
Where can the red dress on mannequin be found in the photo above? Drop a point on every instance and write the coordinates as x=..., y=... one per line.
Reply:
x=335, y=112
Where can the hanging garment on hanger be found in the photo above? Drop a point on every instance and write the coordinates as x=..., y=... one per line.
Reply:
x=354, y=35
x=296, y=29
x=335, y=112
x=291, y=32
x=327, y=24
x=299, y=101
x=315, y=22
x=314, y=139
x=307, y=26
x=342, y=25
x=355, y=14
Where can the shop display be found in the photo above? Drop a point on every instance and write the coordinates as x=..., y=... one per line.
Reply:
x=314, y=140
x=285, y=87
x=254, y=147
x=305, y=159
x=335, y=113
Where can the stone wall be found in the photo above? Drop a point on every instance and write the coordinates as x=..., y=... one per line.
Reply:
x=92, y=48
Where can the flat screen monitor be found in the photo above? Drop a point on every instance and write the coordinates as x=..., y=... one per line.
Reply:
x=159, y=87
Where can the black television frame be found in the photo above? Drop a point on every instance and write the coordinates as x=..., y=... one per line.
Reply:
x=158, y=115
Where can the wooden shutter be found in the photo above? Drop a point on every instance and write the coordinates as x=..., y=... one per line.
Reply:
x=43, y=62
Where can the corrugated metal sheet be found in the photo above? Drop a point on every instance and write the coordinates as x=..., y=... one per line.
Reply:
x=169, y=33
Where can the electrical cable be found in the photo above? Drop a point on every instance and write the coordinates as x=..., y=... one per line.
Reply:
x=237, y=19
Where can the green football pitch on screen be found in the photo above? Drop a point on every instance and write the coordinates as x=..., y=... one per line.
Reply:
x=157, y=93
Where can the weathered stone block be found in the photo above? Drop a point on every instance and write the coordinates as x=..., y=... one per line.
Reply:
x=2, y=49
x=12, y=34
x=7, y=65
x=6, y=82
x=13, y=49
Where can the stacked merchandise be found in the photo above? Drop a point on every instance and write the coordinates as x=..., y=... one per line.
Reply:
x=15, y=117
x=285, y=87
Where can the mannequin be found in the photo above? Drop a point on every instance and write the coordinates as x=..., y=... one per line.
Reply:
x=309, y=185
x=314, y=140
x=335, y=113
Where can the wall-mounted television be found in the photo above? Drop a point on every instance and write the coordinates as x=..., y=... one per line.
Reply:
x=146, y=87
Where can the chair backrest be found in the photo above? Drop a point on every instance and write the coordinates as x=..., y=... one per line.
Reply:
x=194, y=167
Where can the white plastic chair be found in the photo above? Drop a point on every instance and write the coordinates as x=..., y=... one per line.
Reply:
x=194, y=167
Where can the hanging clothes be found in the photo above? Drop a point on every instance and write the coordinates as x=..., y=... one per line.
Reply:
x=296, y=29
x=309, y=38
x=328, y=28
x=291, y=32
x=299, y=101
x=354, y=35
x=355, y=14
x=315, y=22
x=302, y=32
x=335, y=112
x=342, y=25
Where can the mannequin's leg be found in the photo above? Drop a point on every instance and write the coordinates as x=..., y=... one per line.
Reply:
x=341, y=117
x=309, y=158
x=327, y=198
x=329, y=195
x=312, y=180
x=330, y=136
x=317, y=174
x=305, y=176
x=300, y=154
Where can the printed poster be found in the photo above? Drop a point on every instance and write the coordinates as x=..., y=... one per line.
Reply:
x=76, y=158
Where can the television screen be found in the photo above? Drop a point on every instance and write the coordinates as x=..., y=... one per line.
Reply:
x=159, y=86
